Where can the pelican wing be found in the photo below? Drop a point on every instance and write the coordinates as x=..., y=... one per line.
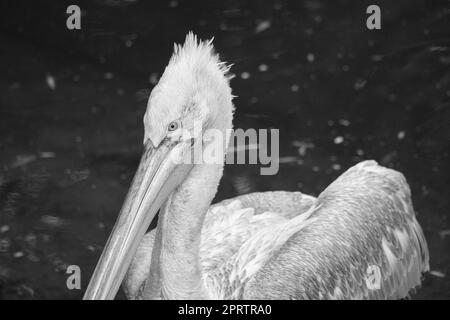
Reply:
x=360, y=240
x=364, y=221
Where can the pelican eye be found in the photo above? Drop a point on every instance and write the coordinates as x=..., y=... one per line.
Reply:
x=174, y=125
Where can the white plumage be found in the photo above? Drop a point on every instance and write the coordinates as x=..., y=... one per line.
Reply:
x=271, y=245
x=251, y=245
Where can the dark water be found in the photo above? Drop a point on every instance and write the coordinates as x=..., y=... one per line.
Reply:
x=69, y=151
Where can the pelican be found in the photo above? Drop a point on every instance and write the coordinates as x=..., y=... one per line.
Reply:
x=359, y=239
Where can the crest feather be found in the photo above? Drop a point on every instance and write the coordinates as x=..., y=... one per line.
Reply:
x=197, y=53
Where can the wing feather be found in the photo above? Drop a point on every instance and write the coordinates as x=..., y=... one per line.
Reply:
x=365, y=219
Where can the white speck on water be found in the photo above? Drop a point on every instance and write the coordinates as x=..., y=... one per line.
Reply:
x=360, y=152
x=336, y=166
x=47, y=155
x=33, y=258
x=302, y=146
x=18, y=254
x=51, y=83
x=31, y=239
x=51, y=221
x=4, y=228
x=344, y=122
x=401, y=135
x=109, y=75
x=245, y=75
x=310, y=57
x=359, y=84
x=338, y=140
x=23, y=160
x=128, y=43
x=437, y=273
x=263, y=25
x=315, y=169
x=295, y=88
x=153, y=79
x=5, y=244
x=263, y=67
x=345, y=68
x=444, y=233
x=287, y=159
x=173, y=4
x=377, y=57
x=275, y=55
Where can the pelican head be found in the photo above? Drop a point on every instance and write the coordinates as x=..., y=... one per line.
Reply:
x=193, y=92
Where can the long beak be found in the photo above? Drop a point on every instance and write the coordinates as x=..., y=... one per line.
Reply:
x=157, y=176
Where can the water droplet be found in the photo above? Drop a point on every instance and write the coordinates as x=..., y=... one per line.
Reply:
x=401, y=135
x=51, y=83
x=295, y=88
x=245, y=75
x=338, y=140
x=18, y=254
x=263, y=67
x=336, y=166
x=263, y=25
x=359, y=84
x=344, y=122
